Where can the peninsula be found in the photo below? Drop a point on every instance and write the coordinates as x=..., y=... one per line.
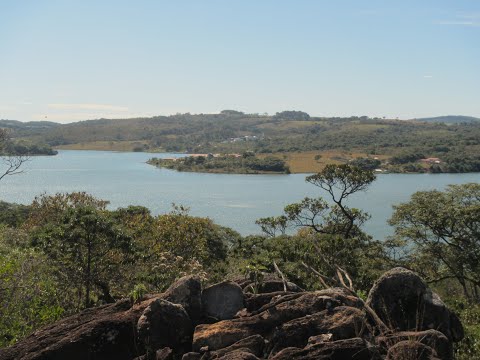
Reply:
x=247, y=163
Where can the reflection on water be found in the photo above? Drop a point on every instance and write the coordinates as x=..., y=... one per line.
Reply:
x=231, y=200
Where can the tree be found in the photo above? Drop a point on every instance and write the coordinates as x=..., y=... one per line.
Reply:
x=177, y=244
x=11, y=163
x=83, y=242
x=291, y=115
x=339, y=181
x=444, y=227
x=330, y=238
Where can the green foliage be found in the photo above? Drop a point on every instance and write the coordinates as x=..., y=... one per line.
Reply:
x=330, y=236
x=246, y=164
x=88, y=248
x=363, y=260
x=138, y=292
x=469, y=314
x=29, y=295
x=28, y=148
x=273, y=225
x=13, y=214
x=256, y=274
x=339, y=181
x=405, y=158
x=444, y=229
x=50, y=209
x=11, y=147
x=366, y=163
x=291, y=115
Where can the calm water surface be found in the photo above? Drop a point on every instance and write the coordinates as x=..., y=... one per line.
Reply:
x=231, y=200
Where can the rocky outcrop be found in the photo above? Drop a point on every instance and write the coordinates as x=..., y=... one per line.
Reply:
x=402, y=319
x=405, y=303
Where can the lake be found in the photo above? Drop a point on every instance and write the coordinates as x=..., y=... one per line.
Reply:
x=231, y=200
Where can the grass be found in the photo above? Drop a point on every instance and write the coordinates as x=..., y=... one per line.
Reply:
x=308, y=161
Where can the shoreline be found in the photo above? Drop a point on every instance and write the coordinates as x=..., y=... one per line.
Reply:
x=292, y=171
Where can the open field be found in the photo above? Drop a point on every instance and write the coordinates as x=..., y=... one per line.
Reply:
x=315, y=161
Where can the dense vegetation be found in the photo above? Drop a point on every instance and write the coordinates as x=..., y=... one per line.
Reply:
x=67, y=252
x=26, y=148
x=15, y=147
x=233, y=164
x=285, y=132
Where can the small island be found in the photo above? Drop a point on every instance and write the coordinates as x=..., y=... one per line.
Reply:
x=246, y=163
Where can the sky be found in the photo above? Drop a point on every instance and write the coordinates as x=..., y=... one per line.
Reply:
x=68, y=60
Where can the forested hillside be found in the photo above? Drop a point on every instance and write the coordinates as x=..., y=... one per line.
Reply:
x=456, y=145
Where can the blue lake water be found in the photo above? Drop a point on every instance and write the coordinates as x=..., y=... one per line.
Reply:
x=231, y=200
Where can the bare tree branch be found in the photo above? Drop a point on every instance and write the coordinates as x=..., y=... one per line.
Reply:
x=13, y=164
x=277, y=269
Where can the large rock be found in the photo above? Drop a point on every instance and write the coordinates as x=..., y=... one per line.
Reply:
x=223, y=300
x=352, y=349
x=224, y=333
x=404, y=303
x=253, y=344
x=254, y=302
x=103, y=333
x=339, y=323
x=165, y=324
x=187, y=291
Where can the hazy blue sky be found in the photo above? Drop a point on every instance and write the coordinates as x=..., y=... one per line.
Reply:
x=74, y=60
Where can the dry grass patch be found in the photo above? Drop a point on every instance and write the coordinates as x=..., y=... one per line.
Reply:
x=315, y=161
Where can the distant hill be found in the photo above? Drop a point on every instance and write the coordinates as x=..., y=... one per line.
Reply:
x=27, y=126
x=450, y=119
x=310, y=141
